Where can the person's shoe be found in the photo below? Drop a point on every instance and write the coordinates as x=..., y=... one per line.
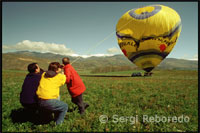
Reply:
x=59, y=123
x=86, y=105
x=73, y=109
x=81, y=112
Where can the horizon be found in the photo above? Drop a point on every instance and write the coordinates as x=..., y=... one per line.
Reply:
x=93, y=55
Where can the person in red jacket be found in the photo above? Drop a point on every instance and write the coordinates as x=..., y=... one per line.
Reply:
x=75, y=85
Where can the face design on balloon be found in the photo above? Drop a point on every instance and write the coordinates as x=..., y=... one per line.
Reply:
x=146, y=35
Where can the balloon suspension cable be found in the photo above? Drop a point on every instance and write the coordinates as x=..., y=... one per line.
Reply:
x=100, y=42
x=97, y=44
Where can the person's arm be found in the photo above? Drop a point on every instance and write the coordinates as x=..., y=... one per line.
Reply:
x=63, y=79
x=41, y=71
x=67, y=74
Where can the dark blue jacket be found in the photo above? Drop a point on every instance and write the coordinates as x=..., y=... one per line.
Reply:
x=29, y=88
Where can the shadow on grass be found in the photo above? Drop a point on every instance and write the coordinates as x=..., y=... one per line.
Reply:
x=22, y=115
x=115, y=76
x=103, y=76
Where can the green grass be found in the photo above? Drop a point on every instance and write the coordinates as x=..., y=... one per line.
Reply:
x=167, y=93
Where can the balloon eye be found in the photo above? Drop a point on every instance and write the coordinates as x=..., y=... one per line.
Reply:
x=162, y=47
x=145, y=12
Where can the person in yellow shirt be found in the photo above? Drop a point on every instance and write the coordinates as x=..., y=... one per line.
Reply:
x=48, y=92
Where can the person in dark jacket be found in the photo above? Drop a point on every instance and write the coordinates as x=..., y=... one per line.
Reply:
x=28, y=97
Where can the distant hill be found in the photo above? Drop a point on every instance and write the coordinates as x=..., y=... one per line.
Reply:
x=172, y=63
x=19, y=61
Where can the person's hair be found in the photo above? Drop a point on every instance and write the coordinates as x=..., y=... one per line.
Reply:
x=53, y=66
x=65, y=60
x=32, y=67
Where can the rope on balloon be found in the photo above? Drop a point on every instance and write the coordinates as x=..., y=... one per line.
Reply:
x=100, y=42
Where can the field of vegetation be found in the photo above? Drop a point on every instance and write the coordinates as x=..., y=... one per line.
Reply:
x=114, y=103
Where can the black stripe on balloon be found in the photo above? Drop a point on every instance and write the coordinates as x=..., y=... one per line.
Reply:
x=163, y=55
x=170, y=34
x=144, y=15
x=124, y=36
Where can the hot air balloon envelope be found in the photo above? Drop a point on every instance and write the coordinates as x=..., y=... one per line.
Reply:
x=147, y=35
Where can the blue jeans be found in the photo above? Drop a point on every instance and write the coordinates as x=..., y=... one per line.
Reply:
x=56, y=106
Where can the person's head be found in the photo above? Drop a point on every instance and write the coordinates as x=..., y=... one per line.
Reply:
x=55, y=66
x=65, y=60
x=33, y=68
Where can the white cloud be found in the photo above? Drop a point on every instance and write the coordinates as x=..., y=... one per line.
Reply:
x=195, y=57
x=90, y=55
x=114, y=50
x=40, y=47
x=6, y=47
x=187, y=57
x=44, y=47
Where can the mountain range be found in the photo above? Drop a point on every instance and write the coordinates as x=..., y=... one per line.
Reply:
x=20, y=59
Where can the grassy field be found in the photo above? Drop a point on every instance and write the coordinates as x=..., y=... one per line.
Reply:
x=167, y=94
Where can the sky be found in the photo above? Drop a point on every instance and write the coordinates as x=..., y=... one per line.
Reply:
x=84, y=28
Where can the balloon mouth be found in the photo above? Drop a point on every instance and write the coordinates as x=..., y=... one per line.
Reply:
x=148, y=69
x=147, y=59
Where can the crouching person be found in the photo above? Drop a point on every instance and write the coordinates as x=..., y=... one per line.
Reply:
x=48, y=92
x=28, y=97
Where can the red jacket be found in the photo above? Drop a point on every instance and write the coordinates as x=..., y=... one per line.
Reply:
x=74, y=83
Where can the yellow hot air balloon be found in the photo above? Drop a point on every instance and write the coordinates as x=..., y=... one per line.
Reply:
x=148, y=34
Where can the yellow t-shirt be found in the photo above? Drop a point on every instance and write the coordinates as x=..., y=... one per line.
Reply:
x=49, y=87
